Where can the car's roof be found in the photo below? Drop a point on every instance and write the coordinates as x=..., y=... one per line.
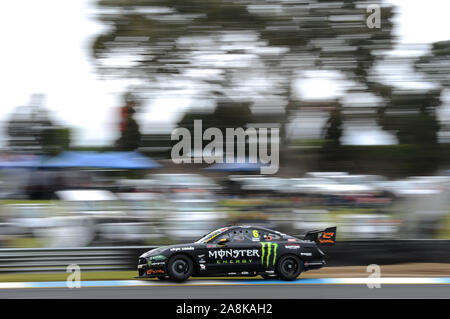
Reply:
x=249, y=226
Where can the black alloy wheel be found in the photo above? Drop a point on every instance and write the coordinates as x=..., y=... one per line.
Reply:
x=180, y=268
x=289, y=267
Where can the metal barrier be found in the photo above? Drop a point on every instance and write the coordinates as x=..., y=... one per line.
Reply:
x=348, y=253
x=57, y=259
x=384, y=252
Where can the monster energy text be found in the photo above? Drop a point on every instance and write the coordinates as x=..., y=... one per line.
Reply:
x=234, y=253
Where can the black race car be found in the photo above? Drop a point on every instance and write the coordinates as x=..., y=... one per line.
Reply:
x=238, y=251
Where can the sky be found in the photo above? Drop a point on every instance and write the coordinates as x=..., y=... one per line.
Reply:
x=45, y=49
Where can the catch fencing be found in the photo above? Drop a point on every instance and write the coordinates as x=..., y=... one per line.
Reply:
x=349, y=253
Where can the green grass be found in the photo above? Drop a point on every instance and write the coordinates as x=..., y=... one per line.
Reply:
x=24, y=201
x=444, y=232
x=94, y=275
x=26, y=243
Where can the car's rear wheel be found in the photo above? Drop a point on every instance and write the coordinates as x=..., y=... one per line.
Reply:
x=289, y=267
x=180, y=268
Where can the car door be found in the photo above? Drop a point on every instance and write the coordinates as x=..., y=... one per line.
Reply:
x=268, y=242
x=238, y=254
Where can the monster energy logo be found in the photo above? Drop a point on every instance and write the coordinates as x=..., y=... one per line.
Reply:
x=269, y=251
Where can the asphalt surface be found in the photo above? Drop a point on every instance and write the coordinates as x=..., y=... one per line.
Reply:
x=269, y=291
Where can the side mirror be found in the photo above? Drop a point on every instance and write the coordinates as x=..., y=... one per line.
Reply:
x=223, y=241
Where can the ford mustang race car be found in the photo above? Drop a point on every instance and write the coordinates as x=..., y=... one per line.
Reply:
x=238, y=251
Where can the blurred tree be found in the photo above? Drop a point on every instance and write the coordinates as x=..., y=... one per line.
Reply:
x=436, y=63
x=31, y=130
x=55, y=140
x=227, y=114
x=333, y=127
x=411, y=115
x=130, y=136
x=249, y=48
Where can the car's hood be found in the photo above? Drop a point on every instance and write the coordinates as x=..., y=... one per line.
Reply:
x=171, y=248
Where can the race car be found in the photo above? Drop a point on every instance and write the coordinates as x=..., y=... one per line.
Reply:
x=238, y=251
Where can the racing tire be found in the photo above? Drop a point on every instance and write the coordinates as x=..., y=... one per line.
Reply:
x=271, y=276
x=180, y=268
x=289, y=267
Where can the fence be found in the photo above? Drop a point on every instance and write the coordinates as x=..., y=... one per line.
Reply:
x=57, y=259
x=125, y=258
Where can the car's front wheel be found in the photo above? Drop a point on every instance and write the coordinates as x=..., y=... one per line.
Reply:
x=289, y=267
x=180, y=268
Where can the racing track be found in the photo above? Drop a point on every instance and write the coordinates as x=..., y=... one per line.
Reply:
x=236, y=289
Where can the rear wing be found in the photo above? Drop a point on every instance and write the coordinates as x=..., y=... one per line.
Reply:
x=327, y=236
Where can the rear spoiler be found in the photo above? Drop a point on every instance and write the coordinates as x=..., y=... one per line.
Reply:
x=327, y=236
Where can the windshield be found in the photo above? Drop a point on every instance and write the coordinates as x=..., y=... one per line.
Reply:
x=211, y=235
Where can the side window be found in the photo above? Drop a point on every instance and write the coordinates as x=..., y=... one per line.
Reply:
x=227, y=235
x=237, y=236
x=268, y=236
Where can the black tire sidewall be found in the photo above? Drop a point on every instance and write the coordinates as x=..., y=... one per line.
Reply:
x=175, y=276
x=280, y=271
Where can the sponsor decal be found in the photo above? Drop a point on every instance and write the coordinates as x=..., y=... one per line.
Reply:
x=157, y=258
x=202, y=267
x=292, y=246
x=156, y=264
x=181, y=248
x=267, y=247
x=327, y=238
x=155, y=271
x=234, y=261
x=292, y=239
x=306, y=254
x=233, y=253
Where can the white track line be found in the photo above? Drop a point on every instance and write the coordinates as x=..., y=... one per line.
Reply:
x=318, y=281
